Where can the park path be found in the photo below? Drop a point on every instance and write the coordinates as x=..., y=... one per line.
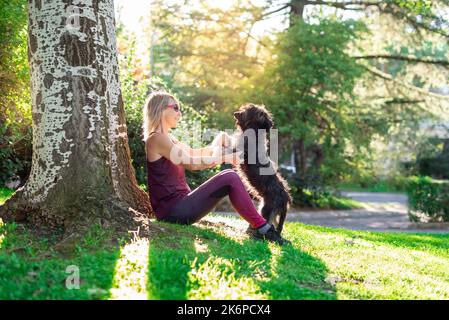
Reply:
x=381, y=212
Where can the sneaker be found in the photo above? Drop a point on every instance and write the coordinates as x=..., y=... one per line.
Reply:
x=271, y=235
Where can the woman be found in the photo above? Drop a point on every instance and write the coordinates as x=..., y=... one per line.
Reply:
x=170, y=196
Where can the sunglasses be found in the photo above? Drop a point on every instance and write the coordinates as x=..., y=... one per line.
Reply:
x=175, y=107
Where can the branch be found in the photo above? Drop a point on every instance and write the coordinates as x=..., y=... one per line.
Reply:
x=264, y=15
x=427, y=27
x=402, y=101
x=388, y=77
x=398, y=12
x=343, y=5
x=404, y=58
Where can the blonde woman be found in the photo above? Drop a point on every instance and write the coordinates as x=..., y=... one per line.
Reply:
x=167, y=158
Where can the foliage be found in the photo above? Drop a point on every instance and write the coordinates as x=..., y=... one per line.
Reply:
x=428, y=199
x=15, y=109
x=207, y=261
x=433, y=159
x=5, y=194
x=417, y=6
x=373, y=183
x=310, y=193
x=309, y=89
x=205, y=53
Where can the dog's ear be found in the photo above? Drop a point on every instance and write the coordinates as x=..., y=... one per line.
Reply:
x=237, y=114
x=268, y=124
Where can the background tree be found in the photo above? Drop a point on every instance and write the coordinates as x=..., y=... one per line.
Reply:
x=205, y=51
x=81, y=170
x=408, y=63
x=309, y=87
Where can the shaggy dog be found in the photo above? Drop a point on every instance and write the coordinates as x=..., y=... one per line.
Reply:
x=258, y=172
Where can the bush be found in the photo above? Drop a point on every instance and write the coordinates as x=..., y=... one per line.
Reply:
x=373, y=183
x=310, y=192
x=15, y=109
x=15, y=152
x=428, y=199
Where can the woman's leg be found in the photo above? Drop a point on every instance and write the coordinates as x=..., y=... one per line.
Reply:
x=203, y=199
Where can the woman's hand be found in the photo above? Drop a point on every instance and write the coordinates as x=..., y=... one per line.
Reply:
x=222, y=140
x=235, y=158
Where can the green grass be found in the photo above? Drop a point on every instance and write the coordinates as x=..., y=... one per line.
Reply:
x=325, y=201
x=215, y=260
x=5, y=194
x=379, y=187
x=343, y=203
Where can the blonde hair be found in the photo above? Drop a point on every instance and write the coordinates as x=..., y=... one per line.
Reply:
x=152, y=110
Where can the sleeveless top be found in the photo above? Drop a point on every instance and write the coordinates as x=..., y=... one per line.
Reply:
x=166, y=185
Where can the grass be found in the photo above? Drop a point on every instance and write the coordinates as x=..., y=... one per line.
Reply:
x=215, y=260
x=343, y=203
x=5, y=194
x=324, y=201
x=379, y=187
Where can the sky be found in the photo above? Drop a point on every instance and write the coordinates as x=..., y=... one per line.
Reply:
x=130, y=11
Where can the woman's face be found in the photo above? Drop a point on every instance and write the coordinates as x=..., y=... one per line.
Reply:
x=172, y=113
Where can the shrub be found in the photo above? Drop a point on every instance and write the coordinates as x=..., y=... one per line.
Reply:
x=15, y=109
x=428, y=199
x=310, y=192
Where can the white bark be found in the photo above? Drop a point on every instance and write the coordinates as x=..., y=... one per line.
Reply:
x=53, y=100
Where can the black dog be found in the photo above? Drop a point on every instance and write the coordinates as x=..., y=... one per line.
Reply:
x=258, y=172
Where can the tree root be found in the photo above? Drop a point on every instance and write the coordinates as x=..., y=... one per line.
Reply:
x=112, y=214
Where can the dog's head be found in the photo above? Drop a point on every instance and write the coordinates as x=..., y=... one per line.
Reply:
x=251, y=116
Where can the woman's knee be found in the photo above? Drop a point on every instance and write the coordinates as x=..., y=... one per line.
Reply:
x=230, y=174
x=226, y=171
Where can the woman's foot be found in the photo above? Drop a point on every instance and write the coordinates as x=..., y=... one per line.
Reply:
x=267, y=232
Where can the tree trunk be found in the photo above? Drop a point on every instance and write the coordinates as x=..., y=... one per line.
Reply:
x=299, y=151
x=81, y=168
x=296, y=10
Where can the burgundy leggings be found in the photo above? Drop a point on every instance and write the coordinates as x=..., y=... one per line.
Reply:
x=203, y=199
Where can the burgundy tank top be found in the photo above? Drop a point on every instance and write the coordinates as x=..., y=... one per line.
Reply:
x=166, y=185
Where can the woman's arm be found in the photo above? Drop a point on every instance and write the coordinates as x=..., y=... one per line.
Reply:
x=206, y=151
x=180, y=154
x=221, y=139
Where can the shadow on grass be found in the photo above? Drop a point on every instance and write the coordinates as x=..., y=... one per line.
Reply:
x=31, y=269
x=190, y=262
